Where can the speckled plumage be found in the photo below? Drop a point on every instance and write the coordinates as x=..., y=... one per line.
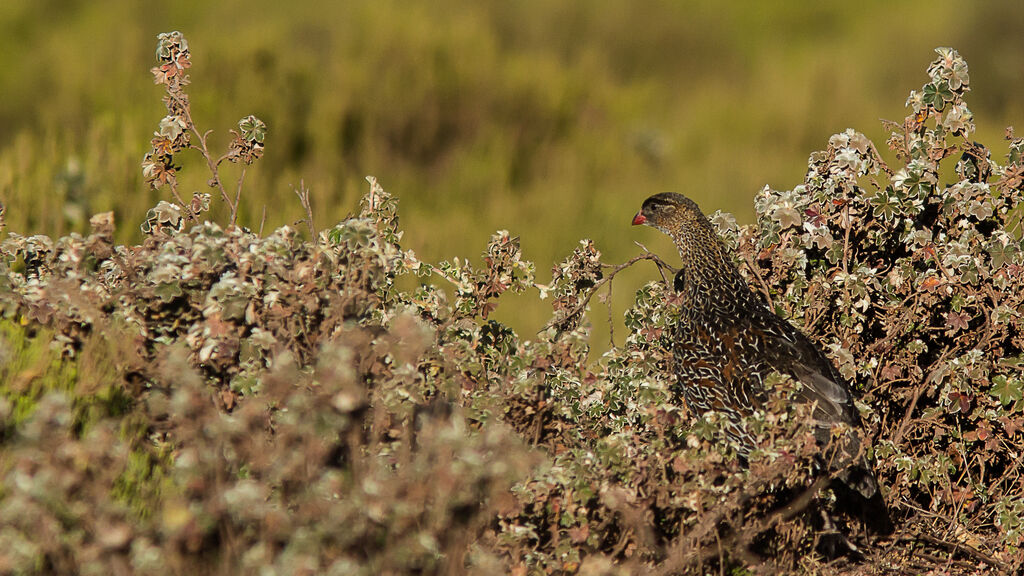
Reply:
x=727, y=342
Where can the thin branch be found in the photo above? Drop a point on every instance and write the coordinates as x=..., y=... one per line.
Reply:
x=662, y=266
x=222, y=158
x=847, y=222
x=878, y=159
x=683, y=555
x=201, y=137
x=263, y=220
x=971, y=551
x=760, y=280
x=582, y=305
x=238, y=196
x=174, y=190
x=303, y=193
x=611, y=321
x=798, y=504
x=941, y=363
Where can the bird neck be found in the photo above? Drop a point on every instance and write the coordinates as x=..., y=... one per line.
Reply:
x=712, y=285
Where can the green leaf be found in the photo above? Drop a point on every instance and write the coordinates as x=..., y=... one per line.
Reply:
x=1007, y=390
x=1002, y=254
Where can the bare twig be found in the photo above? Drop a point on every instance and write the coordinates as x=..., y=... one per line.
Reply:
x=238, y=196
x=662, y=266
x=941, y=364
x=878, y=159
x=263, y=220
x=971, y=551
x=847, y=222
x=760, y=280
x=303, y=193
x=611, y=321
x=185, y=207
x=210, y=163
x=685, y=553
x=582, y=305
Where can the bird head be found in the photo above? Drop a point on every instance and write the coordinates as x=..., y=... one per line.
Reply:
x=669, y=212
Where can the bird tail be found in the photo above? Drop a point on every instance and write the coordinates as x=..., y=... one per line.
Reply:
x=858, y=495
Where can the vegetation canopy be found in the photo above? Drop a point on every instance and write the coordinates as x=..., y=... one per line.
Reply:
x=220, y=400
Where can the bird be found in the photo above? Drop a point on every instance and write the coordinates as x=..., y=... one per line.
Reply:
x=727, y=342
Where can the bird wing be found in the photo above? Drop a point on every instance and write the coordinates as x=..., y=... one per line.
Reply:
x=790, y=352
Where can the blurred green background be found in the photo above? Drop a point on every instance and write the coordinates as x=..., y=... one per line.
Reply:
x=552, y=120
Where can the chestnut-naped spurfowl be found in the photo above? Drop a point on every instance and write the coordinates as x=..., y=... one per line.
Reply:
x=727, y=343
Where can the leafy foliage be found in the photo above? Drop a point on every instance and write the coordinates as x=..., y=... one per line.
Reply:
x=177, y=128
x=915, y=287
x=214, y=401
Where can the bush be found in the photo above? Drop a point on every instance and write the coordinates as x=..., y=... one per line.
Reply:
x=217, y=401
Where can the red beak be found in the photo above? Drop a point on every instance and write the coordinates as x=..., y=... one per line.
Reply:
x=639, y=219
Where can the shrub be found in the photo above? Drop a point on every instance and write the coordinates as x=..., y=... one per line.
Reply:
x=217, y=401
